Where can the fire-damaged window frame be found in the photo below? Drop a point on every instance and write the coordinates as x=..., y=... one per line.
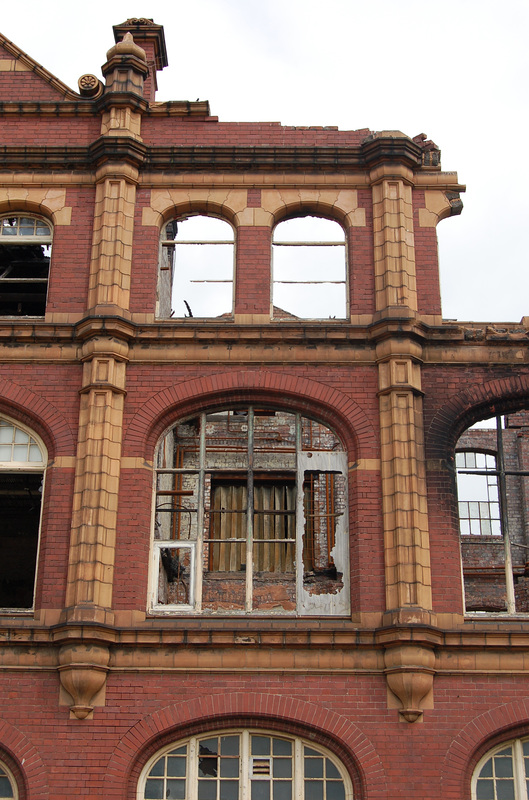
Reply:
x=8, y=785
x=270, y=513
x=298, y=276
x=22, y=436
x=506, y=588
x=169, y=269
x=15, y=234
x=245, y=763
x=503, y=772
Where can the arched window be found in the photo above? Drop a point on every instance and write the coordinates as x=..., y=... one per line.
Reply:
x=503, y=774
x=8, y=789
x=22, y=462
x=252, y=764
x=196, y=268
x=250, y=516
x=491, y=463
x=309, y=267
x=25, y=251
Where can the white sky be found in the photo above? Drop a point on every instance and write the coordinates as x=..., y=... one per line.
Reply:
x=456, y=70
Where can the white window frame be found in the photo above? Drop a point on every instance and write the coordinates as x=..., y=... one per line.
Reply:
x=168, y=264
x=246, y=760
x=490, y=481
x=27, y=467
x=518, y=761
x=19, y=239
x=307, y=604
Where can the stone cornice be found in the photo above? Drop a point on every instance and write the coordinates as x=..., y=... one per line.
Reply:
x=466, y=344
x=228, y=159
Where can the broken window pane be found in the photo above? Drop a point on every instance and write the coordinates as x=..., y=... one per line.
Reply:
x=21, y=478
x=247, y=764
x=196, y=268
x=324, y=498
x=309, y=265
x=25, y=251
x=232, y=482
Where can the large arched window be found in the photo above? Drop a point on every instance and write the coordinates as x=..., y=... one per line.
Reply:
x=250, y=516
x=491, y=463
x=22, y=463
x=25, y=251
x=503, y=773
x=8, y=789
x=252, y=764
x=309, y=267
x=196, y=268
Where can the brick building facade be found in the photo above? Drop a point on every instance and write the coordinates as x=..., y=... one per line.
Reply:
x=232, y=560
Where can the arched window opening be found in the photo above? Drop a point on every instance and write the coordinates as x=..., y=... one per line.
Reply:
x=250, y=516
x=253, y=764
x=22, y=462
x=492, y=458
x=25, y=251
x=8, y=789
x=503, y=773
x=309, y=267
x=196, y=268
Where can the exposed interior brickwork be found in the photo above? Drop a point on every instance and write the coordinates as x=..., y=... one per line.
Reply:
x=422, y=668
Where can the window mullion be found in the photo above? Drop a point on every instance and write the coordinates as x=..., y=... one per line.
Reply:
x=249, y=514
x=298, y=788
x=199, y=565
x=500, y=462
x=299, y=517
x=244, y=767
x=519, y=771
x=192, y=770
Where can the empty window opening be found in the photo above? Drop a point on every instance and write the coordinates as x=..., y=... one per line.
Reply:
x=309, y=267
x=324, y=498
x=21, y=478
x=491, y=465
x=502, y=773
x=242, y=524
x=196, y=268
x=25, y=251
x=234, y=764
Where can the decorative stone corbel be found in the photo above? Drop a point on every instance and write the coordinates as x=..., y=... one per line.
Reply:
x=409, y=673
x=83, y=672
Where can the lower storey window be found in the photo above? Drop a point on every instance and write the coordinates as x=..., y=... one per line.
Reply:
x=503, y=774
x=22, y=462
x=246, y=764
x=7, y=784
x=250, y=516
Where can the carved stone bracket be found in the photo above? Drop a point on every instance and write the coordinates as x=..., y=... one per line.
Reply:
x=83, y=671
x=409, y=675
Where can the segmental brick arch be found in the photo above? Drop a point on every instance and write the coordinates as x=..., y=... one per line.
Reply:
x=475, y=739
x=315, y=399
x=25, y=763
x=246, y=709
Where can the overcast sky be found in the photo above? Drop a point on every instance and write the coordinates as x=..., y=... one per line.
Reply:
x=456, y=70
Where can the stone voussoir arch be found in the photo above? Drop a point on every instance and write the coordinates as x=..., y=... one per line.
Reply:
x=501, y=394
x=20, y=403
x=316, y=207
x=30, y=770
x=246, y=709
x=328, y=404
x=481, y=734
